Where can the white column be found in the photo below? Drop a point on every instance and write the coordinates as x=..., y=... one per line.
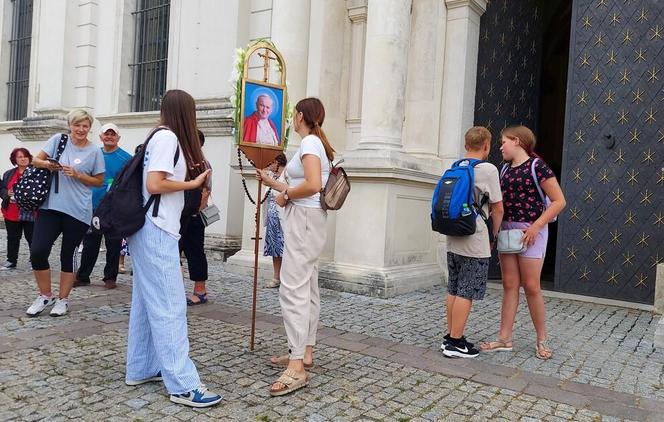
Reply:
x=385, y=69
x=86, y=47
x=357, y=13
x=425, y=78
x=203, y=36
x=326, y=71
x=460, y=74
x=290, y=33
x=51, y=75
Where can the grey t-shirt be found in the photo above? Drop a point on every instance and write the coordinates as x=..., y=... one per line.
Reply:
x=477, y=245
x=73, y=197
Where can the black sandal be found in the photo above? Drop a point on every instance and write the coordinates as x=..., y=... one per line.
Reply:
x=202, y=297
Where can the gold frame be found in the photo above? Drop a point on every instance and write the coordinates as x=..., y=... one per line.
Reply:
x=245, y=78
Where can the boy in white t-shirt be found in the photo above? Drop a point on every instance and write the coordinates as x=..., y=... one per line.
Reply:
x=468, y=256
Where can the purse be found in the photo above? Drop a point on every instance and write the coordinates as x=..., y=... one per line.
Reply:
x=209, y=214
x=336, y=189
x=32, y=188
x=511, y=241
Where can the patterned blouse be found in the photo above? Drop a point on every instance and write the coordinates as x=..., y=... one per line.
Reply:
x=520, y=197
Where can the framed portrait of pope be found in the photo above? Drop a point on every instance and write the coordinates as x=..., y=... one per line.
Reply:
x=263, y=115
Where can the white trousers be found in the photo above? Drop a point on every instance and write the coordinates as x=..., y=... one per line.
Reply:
x=305, y=233
x=157, y=339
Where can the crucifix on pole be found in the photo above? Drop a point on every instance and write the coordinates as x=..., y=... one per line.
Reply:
x=266, y=63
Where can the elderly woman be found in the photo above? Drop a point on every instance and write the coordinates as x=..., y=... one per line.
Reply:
x=67, y=212
x=17, y=222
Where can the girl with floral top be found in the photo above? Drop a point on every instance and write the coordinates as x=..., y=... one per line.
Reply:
x=526, y=210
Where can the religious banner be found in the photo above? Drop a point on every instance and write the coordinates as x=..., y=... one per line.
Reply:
x=262, y=123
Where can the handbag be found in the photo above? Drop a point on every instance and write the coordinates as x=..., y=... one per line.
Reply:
x=209, y=214
x=32, y=188
x=336, y=189
x=511, y=241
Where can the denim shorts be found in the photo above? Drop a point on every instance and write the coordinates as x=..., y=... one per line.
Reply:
x=536, y=250
x=467, y=276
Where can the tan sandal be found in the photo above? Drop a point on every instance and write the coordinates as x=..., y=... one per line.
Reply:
x=496, y=346
x=281, y=361
x=292, y=381
x=542, y=351
x=273, y=284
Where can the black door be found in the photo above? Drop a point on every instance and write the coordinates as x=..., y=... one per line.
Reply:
x=522, y=79
x=611, y=237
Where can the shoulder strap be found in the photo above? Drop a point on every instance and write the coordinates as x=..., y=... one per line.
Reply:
x=61, y=146
x=533, y=173
x=472, y=162
x=503, y=170
x=156, y=198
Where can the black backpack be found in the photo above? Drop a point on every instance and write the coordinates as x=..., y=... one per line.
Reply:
x=121, y=212
x=32, y=188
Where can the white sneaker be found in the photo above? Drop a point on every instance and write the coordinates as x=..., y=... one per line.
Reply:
x=61, y=308
x=41, y=303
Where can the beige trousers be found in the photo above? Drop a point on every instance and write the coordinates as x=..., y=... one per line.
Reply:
x=305, y=233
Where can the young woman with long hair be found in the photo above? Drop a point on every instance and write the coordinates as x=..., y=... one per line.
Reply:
x=158, y=346
x=525, y=210
x=305, y=233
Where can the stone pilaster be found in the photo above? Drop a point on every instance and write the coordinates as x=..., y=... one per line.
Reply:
x=460, y=74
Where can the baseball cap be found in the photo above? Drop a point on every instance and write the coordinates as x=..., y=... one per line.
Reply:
x=110, y=126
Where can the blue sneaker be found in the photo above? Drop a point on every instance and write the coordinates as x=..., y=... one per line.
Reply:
x=199, y=397
x=146, y=380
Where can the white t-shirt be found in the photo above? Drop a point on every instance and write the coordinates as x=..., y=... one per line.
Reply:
x=311, y=144
x=159, y=156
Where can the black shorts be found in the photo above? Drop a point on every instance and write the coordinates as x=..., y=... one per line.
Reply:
x=467, y=276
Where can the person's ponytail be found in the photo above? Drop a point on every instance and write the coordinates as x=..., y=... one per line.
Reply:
x=329, y=151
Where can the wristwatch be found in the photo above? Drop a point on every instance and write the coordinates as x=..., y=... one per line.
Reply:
x=286, y=195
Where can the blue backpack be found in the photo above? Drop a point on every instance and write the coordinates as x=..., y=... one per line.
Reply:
x=453, y=208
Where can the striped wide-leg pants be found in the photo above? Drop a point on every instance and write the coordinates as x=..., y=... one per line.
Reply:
x=157, y=339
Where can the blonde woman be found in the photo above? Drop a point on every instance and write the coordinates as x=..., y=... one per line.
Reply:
x=67, y=211
x=305, y=231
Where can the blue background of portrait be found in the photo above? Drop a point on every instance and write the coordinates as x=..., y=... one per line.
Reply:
x=251, y=93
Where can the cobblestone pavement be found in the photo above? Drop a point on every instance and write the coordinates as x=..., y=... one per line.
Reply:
x=376, y=360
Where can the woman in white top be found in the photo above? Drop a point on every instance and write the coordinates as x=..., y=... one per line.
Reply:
x=157, y=343
x=305, y=232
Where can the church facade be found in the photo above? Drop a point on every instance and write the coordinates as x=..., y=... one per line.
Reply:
x=401, y=81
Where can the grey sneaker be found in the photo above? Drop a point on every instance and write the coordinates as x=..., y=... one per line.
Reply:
x=8, y=265
x=42, y=302
x=61, y=308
